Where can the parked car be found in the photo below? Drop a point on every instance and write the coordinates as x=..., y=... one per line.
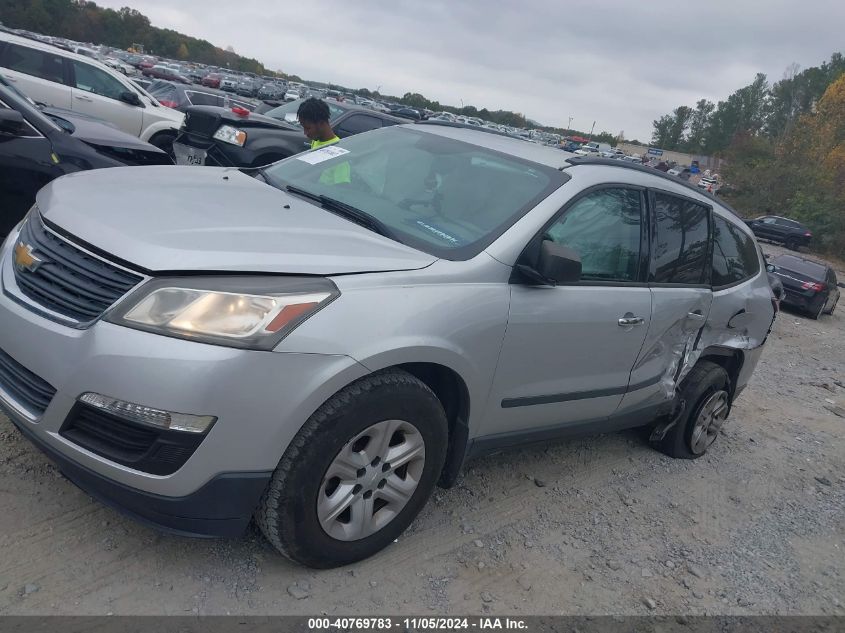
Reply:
x=708, y=183
x=407, y=113
x=119, y=65
x=248, y=87
x=292, y=95
x=225, y=137
x=810, y=285
x=229, y=83
x=774, y=228
x=570, y=146
x=212, y=80
x=162, y=71
x=181, y=97
x=37, y=146
x=271, y=91
x=65, y=80
x=303, y=326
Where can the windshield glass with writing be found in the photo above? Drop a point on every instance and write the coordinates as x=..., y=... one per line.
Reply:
x=442, y=196
x=287, y=112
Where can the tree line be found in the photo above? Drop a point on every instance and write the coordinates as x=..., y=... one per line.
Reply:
x=758, y=108
x=84, y=21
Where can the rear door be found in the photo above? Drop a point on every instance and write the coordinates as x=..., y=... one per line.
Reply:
x=96, y=93
x=568, y=350
x=766, y=228
x=38, y=74
x=679, y=282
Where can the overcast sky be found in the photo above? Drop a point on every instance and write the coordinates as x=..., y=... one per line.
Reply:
x=622, y=63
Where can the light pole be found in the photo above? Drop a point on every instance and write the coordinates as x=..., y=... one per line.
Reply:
x=569, y=124
x=591, y=130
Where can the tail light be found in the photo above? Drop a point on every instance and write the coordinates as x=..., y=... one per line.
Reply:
x=808, y=234
x=811, y=285
x=240, y=111
x=168, y=104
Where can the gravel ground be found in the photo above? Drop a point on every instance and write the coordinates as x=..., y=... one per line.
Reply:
x=603, y=525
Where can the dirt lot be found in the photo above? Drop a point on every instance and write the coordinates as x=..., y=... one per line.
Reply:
x=595, y=526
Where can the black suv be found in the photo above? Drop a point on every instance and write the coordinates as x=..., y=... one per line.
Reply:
x=777, y=229
x=237, y=138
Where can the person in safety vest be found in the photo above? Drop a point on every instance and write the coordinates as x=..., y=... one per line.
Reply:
x=313, y=115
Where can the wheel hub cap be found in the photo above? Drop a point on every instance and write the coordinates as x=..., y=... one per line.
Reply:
x=370, y=480
x=710, y=418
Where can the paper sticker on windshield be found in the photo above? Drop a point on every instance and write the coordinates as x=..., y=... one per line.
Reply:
x=322, y=154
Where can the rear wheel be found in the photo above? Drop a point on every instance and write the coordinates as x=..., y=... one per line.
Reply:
x=792, y=243
x=357, y=473
x=817, y=313
x=706, y=392
x=833, y=307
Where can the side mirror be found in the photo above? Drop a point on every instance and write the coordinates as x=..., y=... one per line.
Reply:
x=11, y=121
x=131, y=98
x=771, y=268
x=556, y=265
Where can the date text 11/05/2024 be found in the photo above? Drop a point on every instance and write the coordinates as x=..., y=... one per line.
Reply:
x=421, y=624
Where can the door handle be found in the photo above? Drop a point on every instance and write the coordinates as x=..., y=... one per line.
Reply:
x=83, y=98
x=695, y=316
x=627, y=321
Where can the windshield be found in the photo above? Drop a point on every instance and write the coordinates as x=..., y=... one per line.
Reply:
x=445, y=197
x=287, y=112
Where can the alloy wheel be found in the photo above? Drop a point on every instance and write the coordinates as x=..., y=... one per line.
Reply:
x=710, y=418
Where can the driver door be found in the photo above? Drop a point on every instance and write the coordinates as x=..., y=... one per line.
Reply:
x=568, y=351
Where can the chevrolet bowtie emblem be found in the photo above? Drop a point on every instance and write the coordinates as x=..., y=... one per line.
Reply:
x=24, y=259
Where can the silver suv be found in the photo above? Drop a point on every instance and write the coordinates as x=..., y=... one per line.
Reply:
x=319, y=343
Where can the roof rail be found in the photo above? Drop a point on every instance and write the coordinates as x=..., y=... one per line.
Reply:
x=479, y=128
x=614, y=162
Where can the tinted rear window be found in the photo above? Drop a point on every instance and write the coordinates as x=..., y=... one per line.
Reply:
x=801, y=266
x=734, y=255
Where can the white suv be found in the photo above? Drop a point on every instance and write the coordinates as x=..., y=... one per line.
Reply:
x=56, y=77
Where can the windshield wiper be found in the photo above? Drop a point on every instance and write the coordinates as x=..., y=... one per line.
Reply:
x=347, y=211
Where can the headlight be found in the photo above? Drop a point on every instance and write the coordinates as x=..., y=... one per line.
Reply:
x=247, y=312
x=229, y=134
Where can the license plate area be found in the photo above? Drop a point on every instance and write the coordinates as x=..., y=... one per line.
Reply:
x=187, y=155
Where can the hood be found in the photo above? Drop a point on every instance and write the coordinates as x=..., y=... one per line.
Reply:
x=214, y=219
x=98, y=132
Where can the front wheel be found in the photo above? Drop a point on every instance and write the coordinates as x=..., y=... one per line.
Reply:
x=357, y=473
x=164, y=141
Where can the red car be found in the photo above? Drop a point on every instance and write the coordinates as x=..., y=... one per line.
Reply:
x=212, y=80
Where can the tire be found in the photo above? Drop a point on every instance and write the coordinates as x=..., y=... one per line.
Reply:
x=816, y=315
x=792, y=244
x=164, y=141
x=833, y=307
x=292, y=513
x=707, y=383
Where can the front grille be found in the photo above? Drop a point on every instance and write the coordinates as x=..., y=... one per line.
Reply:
x=28, y=390
x=141, y=447
x=69, y=281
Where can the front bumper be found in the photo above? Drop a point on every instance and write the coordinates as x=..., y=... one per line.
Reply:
x=260, y=399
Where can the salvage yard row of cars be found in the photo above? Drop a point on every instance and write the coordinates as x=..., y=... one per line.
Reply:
x=316, y=343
